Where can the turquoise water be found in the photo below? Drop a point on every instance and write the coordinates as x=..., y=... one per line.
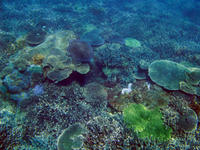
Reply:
x=99, y=75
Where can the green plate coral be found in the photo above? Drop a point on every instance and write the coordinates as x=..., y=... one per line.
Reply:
x=146, y=123
x=71, y=138
x=131, y=42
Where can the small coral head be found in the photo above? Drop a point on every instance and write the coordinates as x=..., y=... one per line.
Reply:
x=38, y=90
x=127, y=90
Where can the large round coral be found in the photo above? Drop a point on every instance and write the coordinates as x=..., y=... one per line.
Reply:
x=80, y=51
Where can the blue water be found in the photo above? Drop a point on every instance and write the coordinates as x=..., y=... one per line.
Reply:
x=123, y=38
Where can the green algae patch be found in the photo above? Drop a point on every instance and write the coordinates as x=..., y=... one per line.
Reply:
x=131, y=42
x=147, y=123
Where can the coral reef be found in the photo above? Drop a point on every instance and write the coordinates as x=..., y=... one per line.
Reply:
x=64, y=64
x=104, y=131
x=15, y=134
